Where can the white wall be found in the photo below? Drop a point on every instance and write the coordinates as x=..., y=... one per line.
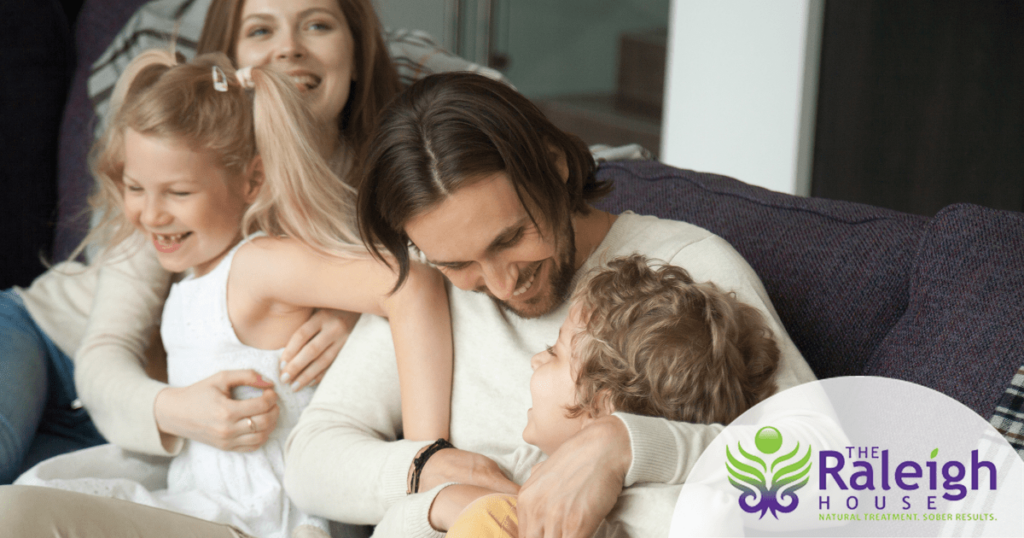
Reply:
x=741, y=89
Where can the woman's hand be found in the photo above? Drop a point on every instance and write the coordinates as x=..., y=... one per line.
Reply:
x=313, y=348
x=205, y=412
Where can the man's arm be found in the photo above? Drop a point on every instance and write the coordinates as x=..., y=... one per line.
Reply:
x=343, y=460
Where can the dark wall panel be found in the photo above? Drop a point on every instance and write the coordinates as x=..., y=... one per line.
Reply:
x=921, y=104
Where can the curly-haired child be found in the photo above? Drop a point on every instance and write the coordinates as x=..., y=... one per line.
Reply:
x=643, y=340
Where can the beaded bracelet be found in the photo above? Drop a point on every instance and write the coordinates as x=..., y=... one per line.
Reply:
x=421, y=460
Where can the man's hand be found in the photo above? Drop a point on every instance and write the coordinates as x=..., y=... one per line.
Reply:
x=569, y=495
x=205, y=412
x=314, y=346
x=454, y=465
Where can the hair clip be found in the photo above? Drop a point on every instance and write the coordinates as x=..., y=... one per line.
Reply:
x=220, y=80
x=244, y=76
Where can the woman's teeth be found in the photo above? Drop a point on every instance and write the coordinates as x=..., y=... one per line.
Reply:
x=307, y=82
x=526, y=286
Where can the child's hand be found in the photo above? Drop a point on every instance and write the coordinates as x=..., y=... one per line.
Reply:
x=205, y=412
x=451, y=502
x=313, y=348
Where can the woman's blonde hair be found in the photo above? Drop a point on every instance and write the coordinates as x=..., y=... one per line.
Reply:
x=656, y=343
x=156, y=96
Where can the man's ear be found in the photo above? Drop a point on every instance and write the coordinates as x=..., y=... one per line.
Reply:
x=253, y=180
x=558, y=156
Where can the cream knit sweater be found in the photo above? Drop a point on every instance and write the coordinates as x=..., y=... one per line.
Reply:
x=344, y=461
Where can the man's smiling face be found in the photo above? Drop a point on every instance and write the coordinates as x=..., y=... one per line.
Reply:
x=482, y=239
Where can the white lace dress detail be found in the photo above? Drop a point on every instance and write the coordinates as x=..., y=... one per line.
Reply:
x=245, y=490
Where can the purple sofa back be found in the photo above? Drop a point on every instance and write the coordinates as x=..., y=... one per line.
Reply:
x=864, y=290
x=963, y=331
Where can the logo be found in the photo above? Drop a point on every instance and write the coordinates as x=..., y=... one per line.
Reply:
x=751, y=476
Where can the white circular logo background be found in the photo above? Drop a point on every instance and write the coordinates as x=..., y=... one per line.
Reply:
x=855, y=456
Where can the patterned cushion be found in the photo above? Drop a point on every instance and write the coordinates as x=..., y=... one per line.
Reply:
x=837, y=272
x=1009, y=415
x=962, y=331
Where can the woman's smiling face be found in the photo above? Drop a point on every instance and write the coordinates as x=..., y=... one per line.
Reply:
x=310, y=40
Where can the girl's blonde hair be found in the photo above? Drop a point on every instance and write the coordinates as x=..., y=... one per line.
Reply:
x=301, y=197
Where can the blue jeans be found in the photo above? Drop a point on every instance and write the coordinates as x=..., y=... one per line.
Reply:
x=40, y=415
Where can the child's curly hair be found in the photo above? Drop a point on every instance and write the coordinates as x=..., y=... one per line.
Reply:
x=659, y=344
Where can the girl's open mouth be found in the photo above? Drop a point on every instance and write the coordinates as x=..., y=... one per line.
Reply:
x=169, y=243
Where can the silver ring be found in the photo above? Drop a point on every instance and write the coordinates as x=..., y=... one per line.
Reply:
x=252, y=425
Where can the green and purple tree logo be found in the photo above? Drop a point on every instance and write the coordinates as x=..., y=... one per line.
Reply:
x=751, y=476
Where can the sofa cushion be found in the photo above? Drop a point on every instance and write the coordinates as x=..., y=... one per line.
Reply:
x=837, y=272
x=962, y=332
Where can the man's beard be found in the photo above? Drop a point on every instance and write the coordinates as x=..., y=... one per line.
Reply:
x=560, y=280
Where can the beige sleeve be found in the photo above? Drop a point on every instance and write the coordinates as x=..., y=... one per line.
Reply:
x=109, y=366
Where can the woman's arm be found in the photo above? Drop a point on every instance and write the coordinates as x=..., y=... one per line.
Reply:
x=109, y=370
x=130, y=408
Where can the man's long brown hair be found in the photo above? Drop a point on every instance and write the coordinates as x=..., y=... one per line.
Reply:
x=450, y=130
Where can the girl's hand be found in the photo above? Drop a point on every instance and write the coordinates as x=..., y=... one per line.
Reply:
x=313, y=348
x=205, y=412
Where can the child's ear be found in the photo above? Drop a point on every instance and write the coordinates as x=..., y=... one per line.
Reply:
x=603, y=407
x=604, y=403
x=253, y=180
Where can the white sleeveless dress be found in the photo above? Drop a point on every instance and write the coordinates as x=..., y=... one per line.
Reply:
x=245, y=490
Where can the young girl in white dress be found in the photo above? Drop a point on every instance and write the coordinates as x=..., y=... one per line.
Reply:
x=220, y=172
